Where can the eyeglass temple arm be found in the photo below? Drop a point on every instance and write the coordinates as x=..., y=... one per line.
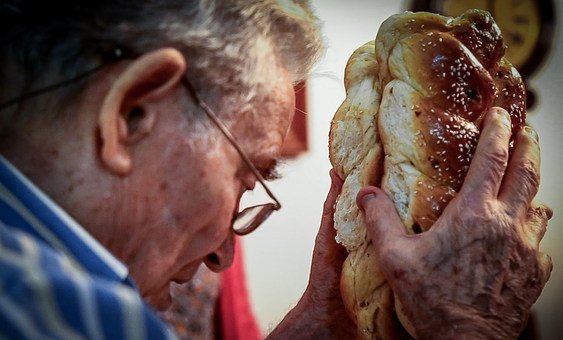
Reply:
x=110, y=56
x=230, y=136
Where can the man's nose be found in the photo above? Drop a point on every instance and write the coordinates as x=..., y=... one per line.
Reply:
x=222, y=257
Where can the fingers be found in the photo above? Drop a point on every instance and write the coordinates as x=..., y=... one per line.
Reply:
x=522, y=178
x=382, y=221
x=536, y=224
x=489, y=162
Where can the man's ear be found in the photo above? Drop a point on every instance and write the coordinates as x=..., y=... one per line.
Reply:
x=126, y=114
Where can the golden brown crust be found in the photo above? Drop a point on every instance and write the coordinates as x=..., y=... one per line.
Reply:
x=430, y=200
x=511, y=93
x=475, y=29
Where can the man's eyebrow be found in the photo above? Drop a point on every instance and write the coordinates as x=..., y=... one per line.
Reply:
x=270, y=172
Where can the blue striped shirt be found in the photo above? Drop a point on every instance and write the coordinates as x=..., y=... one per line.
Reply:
x=57, y=281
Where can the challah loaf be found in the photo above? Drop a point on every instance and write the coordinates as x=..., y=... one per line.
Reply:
x=410, y=123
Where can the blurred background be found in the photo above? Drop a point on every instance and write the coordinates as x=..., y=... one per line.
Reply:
x=277, y=256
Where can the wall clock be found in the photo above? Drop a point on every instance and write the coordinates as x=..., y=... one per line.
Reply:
x=527, y=27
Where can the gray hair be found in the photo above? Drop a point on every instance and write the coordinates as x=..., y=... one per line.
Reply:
x=222, y=39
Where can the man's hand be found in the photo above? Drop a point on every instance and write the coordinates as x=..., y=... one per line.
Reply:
x=323, y=290
x=320, y=313
x=478, y=270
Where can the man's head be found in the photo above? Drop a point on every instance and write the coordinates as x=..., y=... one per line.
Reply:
x=126, y=151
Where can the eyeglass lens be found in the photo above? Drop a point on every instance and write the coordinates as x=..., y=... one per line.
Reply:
x=250, y=218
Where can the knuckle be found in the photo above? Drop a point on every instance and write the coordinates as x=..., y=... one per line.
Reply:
x=484, y=219
x=547, y=212
x=529, y=174
x=539, y=214
x=498, y=157
x=478, y=209
x=494, y=160
x=490, y=223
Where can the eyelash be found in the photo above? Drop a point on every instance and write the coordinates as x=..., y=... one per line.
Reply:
x=271, y=174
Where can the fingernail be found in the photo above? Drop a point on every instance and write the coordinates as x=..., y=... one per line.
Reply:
x=367, y=198
x=364, y=195
x=532, y=133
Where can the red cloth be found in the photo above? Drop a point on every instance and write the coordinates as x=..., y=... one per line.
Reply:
x=236, y=320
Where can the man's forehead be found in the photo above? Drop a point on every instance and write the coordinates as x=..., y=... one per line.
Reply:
x=262, y=135
x=263, y=128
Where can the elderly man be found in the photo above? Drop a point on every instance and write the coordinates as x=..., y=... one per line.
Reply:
x=129, y=132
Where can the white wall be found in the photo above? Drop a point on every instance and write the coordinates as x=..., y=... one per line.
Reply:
x=278, y=255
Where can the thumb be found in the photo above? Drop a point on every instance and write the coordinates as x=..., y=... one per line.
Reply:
x=383, y=224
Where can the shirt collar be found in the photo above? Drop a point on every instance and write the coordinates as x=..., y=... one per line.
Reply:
x=25, y=206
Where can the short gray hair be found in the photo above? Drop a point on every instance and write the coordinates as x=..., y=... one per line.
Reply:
x=58, y=39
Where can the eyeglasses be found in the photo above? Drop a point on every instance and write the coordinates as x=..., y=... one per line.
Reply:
x=247, y=220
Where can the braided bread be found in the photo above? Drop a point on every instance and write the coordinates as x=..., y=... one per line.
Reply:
x=410, y=123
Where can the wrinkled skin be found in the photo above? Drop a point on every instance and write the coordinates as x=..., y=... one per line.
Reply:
x=475, y=274
x=324, y=281
x=478, y=271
